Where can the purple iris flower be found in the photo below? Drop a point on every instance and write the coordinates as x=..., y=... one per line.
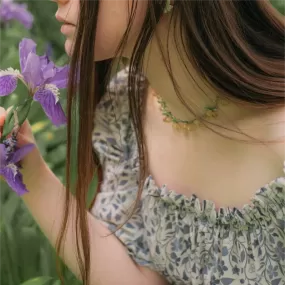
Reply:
x=9, y=166
x=42, y=78
x=15, y=11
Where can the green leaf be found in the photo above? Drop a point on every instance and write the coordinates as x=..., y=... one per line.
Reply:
x=91, y=191
x=8, y=125
x=43, y=280
x=22, y=113
x=28, y=247
x=9, y=209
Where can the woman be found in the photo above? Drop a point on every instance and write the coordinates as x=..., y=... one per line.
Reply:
x=201, y=109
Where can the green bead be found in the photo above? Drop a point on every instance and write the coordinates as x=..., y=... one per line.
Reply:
x=168, y=7
x=182, y=124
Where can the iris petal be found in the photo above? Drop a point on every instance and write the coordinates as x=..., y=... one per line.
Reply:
x=14, y=179
x=44, y=59
x=19, y=12
x=26, y=47
x=32, y=72
x=21, y=152
x=51, y=106
x=49, y=71
x=2, y=155
x=15, y=11
x=60, y=79
x=8, y=84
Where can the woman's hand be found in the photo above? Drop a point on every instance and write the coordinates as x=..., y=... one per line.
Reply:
x=110, y=262
x=33, y=163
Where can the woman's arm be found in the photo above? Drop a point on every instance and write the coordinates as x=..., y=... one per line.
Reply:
x=110, y=263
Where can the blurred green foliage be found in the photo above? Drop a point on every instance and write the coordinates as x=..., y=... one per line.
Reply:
x=26, y=255
x=279, y=5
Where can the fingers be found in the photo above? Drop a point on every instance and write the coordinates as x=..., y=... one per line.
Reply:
x=2, y=119
x=25, y=128
x=2, y=114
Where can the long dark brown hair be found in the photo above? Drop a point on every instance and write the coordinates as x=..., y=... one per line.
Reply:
x=237, y=46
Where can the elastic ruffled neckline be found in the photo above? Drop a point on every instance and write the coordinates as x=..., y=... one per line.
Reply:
x=267, y=201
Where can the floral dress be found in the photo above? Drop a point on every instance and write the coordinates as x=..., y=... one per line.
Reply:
x=186, y=240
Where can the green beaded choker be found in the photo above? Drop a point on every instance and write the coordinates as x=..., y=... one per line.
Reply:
x=211, y=112
x=168, y=7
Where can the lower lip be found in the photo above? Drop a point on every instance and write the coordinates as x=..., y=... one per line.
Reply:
x=67, y=29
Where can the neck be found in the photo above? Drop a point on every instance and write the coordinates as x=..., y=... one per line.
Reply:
x=194, y=90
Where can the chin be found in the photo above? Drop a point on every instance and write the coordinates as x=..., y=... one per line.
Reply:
x=101, y=52
x=68, y=46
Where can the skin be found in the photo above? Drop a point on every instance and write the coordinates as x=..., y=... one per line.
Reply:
x=112, y=22
x=193, y=156
x=110, y=263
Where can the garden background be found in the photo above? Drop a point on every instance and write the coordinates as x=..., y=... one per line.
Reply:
x=26, y=255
